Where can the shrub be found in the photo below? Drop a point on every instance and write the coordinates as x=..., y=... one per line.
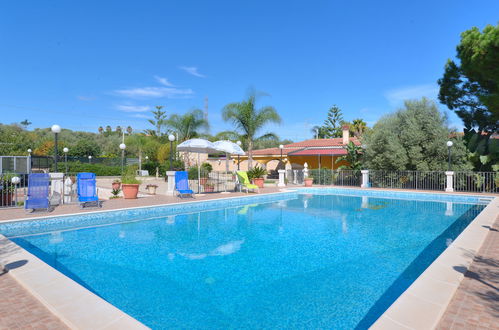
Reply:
x=256, y=172
x=98, y=169
x=128, y=176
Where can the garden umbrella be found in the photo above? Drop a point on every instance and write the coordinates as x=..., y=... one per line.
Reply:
x=199, y=146
x=229, y=148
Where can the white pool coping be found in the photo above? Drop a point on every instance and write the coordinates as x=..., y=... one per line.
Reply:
x=421, y=306
x=424, y=303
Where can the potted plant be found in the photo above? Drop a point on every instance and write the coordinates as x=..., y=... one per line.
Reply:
x=116, y=185
x=256, y=174
x=309, y=181
x=130, y=184
x=151, y=189
x=209, y=187
x=115, y=193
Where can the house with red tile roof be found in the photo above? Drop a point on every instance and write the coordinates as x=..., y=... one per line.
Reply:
x=315, y=152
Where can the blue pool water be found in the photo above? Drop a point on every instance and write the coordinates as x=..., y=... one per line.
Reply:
x=301, y=261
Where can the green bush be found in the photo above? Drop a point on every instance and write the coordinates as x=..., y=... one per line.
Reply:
x=98, y=169
x=207, y=167
x=324, y=176
x=193, y=173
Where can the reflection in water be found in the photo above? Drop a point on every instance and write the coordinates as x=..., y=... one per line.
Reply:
x=222, y=250
x=170, y=220
x=56, y=237
x=448, y=211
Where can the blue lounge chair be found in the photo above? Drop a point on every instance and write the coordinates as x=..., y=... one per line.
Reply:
x=87, y=190
x=38, y=192
x=182, y=184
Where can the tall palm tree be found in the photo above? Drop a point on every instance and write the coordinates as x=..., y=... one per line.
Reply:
x=358, y=127
x=187, y=126
x=248, y=121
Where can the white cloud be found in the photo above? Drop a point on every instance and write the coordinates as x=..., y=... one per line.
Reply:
x=133, y=108
x=163, y=81
x=397, y=96
x=155, y=92
x=192, y=70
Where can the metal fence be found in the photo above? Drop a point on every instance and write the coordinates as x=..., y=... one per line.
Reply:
x=12, y=193
x=326, y=176
x=212, y=182
x=421, y=180
x=485, y=182
x=14, y=164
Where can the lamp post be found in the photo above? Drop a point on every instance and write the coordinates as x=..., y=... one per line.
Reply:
x=29, y=160
x=122, y=147
x=449, y=146
x=56, y=129
x=90, y=159
x=239, y=144
x=15, y=181
x=281, y=147
x=171, y=137
x=66, y=150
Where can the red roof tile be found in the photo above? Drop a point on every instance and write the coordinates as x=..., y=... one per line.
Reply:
x=312, y=143
x=322, y=152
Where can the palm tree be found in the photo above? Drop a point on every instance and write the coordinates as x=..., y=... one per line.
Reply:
x=358, y=127
x=248, y=121
x=187, y=126
x=353, y=157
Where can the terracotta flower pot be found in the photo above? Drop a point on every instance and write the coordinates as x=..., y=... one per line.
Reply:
x=116, y=185
x=259, y=182
x=209, y=188
x=202, y=181
x=130, y=191
x=308, y=182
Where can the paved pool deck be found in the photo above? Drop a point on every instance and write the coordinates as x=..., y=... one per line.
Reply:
x=474, y=306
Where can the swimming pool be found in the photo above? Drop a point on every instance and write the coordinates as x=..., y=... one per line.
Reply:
x=311, y=259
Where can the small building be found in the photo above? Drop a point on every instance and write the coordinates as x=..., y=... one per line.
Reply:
x=317, y=153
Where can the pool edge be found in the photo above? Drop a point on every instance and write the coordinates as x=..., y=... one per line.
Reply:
x=424, y=303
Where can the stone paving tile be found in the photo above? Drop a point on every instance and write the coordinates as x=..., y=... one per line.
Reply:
x=20, y=310
x=476, y=302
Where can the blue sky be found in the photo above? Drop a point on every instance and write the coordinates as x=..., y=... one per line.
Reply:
x=83, y=64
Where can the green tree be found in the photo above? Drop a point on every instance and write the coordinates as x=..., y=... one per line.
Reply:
x=158, y=121
x=332, y=124
x=248, y=121
x=413, y=138
x=319, y=132
x=358, y=127
x=471, y=87
x=353, y=157
x=85, y=148
x=25, y=123
x=187, y=126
